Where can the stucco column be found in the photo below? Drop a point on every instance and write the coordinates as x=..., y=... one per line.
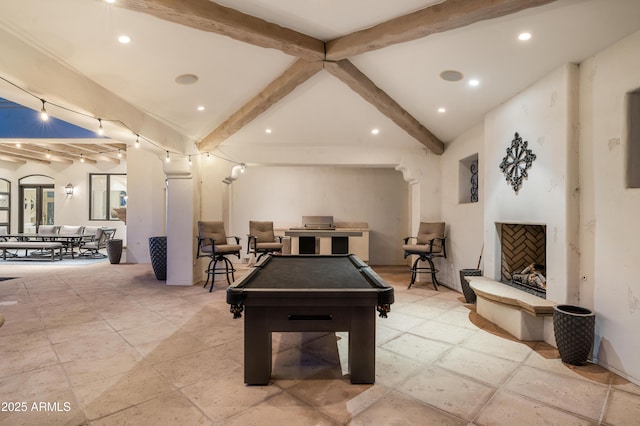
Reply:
x=180, y=223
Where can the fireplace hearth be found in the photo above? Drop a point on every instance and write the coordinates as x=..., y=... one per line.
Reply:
x=523, y=257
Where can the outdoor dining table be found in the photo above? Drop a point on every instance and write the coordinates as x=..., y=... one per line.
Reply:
x=68, y=241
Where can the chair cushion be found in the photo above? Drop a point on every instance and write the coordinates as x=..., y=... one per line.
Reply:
x=269, y=246
x=70, y=230
x=428, y=231
x=263, y=231
x=228, y=248
x=213, y=230
x=221, y=249
x=90, y=230
x=48, y=229
x=421, y=248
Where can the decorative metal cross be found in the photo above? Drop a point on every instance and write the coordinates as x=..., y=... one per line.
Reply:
x=517, y=161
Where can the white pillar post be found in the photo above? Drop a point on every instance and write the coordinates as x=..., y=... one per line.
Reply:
x=180, y=223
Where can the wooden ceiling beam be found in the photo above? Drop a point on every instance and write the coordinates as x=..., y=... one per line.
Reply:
x=11, y=159
x=294, y=76
x=95, y=154
x=53, y=156
x=22, y=155
x=445, y=16
x=113, y=147
x=346, y=72
x=205, y=15
x=72, y=152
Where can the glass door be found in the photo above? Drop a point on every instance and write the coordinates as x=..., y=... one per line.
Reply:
x=37, y=207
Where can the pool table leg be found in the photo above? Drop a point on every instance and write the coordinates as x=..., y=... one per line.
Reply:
x=362, y=345
x=257, y=346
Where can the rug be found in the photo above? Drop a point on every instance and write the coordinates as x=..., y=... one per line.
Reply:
x=79, y=261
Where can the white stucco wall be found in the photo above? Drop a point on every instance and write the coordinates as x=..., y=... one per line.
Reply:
x=146, y=208
x=464, y=220
x=378, y=196
x=544, y=115
x=351, y=176
x=609, y=223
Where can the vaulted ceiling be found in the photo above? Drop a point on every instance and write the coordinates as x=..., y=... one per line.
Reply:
x=312, y=72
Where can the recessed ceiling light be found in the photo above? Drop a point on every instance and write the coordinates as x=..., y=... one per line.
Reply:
x=200, y=108
x=375, y=131
x=186, y=79
x=473, y=82
x=524, y=36
x=442, y=109
x=110, y=1
x=267, y=131
x=124, y=39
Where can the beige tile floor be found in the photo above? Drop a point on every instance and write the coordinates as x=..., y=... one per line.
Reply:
x=110, y=345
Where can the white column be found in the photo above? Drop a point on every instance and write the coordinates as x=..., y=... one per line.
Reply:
x=180, y=223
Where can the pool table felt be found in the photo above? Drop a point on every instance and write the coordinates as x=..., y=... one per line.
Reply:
x=335, y=272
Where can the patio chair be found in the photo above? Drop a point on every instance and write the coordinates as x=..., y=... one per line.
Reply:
x=92, y=248
x=262, y=239
x=429, y=243
x=214, y=243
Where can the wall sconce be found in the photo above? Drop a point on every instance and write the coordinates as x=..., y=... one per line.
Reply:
x=68, y=189
x=235, y=172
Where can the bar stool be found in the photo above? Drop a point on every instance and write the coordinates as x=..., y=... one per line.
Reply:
x=213, y=243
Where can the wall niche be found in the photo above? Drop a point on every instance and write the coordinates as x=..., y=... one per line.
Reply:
x=468, y=180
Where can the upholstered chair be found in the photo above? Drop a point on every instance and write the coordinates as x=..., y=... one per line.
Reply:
x=429, y=243
x=92, y=247
x=262, y=239
x=214, y=243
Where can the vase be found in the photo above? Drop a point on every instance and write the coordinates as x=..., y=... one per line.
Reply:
x=469, y=294
x=573, y=327
x=158, y=254
x=114, y=251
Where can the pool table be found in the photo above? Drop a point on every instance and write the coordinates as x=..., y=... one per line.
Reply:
x=309, y=293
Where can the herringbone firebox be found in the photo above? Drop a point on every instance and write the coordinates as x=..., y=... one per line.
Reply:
x=522, y=245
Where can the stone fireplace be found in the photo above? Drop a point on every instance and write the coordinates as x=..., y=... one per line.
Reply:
x=523, y=257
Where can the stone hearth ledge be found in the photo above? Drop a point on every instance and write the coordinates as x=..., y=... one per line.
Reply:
x=525, y=316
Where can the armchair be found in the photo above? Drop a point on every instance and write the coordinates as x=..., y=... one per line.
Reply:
x=92, y=248
x=429, y=243
x=262, y=239
x=213, y=243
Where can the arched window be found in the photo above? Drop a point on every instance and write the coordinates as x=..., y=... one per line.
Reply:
x=5, y=206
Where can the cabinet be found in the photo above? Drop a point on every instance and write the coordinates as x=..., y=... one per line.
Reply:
x=335, y=241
